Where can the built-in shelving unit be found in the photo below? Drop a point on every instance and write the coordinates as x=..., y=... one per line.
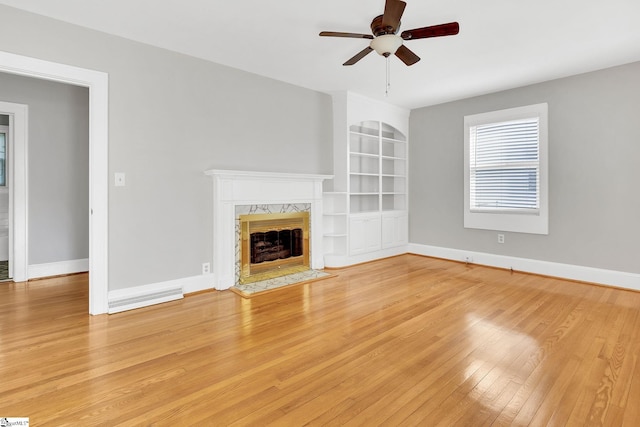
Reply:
x=366, y=203
x=377, y=167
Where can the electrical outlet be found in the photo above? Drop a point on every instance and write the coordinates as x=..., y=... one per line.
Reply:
x=206, y=268
x=500, y=238
x=119, y=178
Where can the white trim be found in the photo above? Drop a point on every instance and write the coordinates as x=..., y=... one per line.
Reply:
x=232, y=188
x=510, y=221
x=18, y=183
x=198, y=283
x=98, y=84
x=339, y=261
x=253, y=175
x=619, y=279
x=49, y=269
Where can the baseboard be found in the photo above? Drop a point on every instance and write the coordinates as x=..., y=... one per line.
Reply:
x=155, y=293
x=222, y=282
x=200, y=283
x=36, y=271
x=619, y=279
x=338, y=261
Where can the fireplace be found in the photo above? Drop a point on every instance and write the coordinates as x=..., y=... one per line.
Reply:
x=235, y=189
x=273, y=245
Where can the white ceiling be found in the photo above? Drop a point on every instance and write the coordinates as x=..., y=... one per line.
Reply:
x=502, y=43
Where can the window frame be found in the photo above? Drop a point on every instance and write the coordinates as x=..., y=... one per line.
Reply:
x=513, y=220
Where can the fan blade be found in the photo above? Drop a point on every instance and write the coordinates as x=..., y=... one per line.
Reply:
x=351, y=35
x=393, y=10
x=364, y=52
x=406, y=55
x=450, y=29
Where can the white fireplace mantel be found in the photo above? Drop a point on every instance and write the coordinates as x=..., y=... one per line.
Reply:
x=232, y=188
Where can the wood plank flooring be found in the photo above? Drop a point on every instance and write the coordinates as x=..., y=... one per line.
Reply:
x=404, y=341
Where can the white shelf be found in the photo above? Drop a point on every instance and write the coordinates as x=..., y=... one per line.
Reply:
x=373, y=133
x=353, y=153
x=335, y=235
x=394, y=141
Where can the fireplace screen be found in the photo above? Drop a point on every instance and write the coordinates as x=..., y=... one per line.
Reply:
x=273, y=245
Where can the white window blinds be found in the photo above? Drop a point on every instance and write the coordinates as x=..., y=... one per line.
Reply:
x=504, y=166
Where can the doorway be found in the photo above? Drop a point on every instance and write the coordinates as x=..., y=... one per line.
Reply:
x=4, y=199
x=97, y=82
x=17, y=197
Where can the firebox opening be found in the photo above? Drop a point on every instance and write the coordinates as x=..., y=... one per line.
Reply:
x=273, y=245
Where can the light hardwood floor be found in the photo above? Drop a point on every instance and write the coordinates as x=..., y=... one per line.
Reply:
x=403, y=341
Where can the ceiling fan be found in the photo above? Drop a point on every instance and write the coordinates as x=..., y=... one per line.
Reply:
x=385, y=39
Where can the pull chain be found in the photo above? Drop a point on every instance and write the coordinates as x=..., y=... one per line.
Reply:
x=388, y=83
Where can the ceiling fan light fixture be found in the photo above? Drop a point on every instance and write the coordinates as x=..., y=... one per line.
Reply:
x=386, y=40
x=386, y=44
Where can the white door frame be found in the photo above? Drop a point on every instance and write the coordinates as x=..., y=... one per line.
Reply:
x=98, y=84
x=17, y=183
x=8, y=181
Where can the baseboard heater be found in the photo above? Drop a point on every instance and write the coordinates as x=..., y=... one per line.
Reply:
x=124, y=303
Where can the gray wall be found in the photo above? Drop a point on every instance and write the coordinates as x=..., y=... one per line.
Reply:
x=58, y=166
x=170, y=118
x=594, y=146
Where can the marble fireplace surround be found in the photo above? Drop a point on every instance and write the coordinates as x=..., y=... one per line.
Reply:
x=233, y=188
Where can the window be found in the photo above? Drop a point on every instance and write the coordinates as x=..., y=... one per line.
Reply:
x=506, y=170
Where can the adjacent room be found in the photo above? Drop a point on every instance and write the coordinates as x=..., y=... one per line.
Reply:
x=342, y=213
